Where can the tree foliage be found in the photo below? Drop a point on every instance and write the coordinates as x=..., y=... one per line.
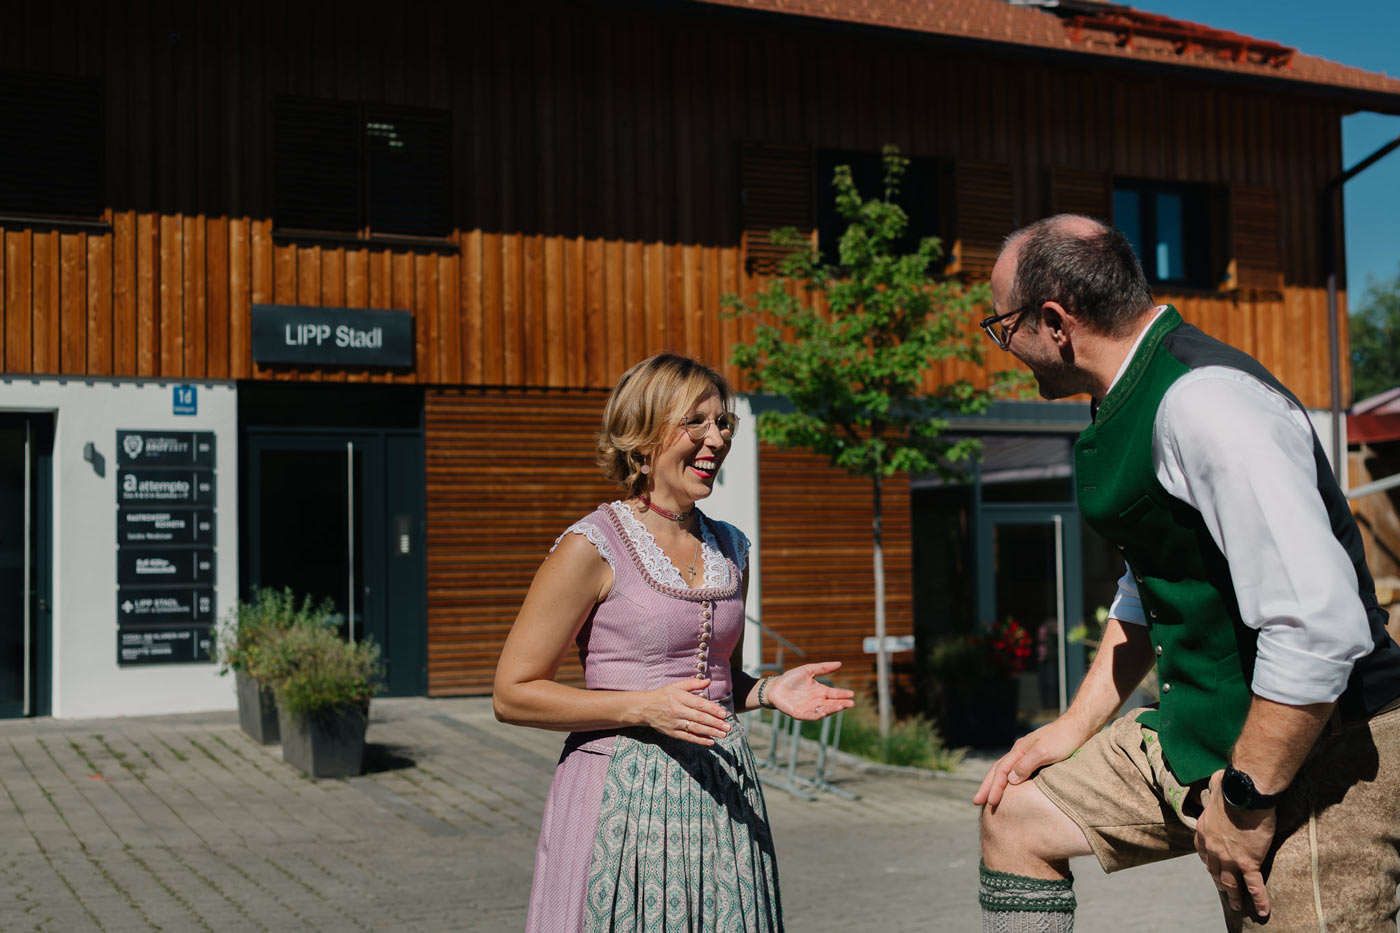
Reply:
x=1375, y=339
x=848, y=344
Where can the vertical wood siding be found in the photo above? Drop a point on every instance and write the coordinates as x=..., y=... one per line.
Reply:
x=818, y=562
x=597, y=208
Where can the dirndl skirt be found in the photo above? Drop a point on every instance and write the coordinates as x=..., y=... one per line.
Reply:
x=647, y=834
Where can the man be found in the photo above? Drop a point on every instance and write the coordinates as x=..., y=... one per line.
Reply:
x=1275, y=754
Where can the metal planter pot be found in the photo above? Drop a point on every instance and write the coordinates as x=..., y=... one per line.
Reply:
x=257, y=710
x=326, y=743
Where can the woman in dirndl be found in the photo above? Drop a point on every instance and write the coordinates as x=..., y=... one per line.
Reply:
x=655, y=820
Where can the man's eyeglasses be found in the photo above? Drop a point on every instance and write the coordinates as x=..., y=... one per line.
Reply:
x=1000, y=326
x=697, y=425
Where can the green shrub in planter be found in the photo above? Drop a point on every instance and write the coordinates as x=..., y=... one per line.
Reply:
x=323, y=686
x=243, y=641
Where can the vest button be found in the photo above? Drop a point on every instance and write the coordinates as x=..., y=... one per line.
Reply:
x=1166, y=688
x=1122, y=547
x=1159, y=651
x=1152, y=613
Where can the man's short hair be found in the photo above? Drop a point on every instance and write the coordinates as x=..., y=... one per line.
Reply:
x=1085, y=265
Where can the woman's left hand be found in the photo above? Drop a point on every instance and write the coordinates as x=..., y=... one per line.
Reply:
x=798, y=693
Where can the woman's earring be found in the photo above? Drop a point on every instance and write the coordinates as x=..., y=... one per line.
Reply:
x=646, y=468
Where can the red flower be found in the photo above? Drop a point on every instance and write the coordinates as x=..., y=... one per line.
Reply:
x=1008, y=646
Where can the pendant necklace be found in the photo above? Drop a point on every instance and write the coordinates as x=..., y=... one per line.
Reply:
x=693, y=559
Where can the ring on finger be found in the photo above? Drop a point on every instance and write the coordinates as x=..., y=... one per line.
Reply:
x=685, y=724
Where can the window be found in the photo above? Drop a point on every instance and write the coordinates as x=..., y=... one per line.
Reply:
x=51, y=163
x=1173, y=230
x=918, y=195
x=354, y=168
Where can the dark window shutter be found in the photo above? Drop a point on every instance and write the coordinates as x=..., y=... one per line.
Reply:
x=408, y=171
x=1256, y=253
x=1081, y=191
x=51, y=162
x=316, y=165
x=775, y=191
x=985, y=214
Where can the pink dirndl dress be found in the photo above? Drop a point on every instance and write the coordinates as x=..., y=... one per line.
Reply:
x=642, y=832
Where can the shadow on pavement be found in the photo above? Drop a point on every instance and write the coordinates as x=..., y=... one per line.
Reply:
x=380, y=758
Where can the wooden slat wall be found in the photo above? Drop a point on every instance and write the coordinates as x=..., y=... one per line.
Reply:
x=818, y=571
x=985, y=215
x=507, y=473
x=597, y=210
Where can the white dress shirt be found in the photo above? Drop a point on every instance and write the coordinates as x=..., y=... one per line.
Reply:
x=1242, y=455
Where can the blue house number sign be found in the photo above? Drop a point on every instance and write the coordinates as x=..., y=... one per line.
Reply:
x=185, y=402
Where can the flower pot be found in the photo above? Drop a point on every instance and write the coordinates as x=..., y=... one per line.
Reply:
x=257, y=710
x=325, y=743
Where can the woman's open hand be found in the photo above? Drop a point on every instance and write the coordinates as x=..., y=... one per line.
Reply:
x=798, y=693
x=676, y=710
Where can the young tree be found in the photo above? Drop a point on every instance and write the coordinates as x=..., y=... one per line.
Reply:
x=1375, y=339
x=848, y=346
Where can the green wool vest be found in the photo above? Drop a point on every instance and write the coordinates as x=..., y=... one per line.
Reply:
x=1205, y=653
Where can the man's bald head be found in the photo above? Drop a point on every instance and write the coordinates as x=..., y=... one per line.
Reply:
x=1085, y=265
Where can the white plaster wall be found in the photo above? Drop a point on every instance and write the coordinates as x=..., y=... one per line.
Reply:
x=735, y=500
x=86, y=679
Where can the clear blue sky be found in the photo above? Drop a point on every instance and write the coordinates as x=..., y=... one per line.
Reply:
x=1361, y=33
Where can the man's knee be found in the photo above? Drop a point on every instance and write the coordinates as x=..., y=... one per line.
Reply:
x=1027, y=834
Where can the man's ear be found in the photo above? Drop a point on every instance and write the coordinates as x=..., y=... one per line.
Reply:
x=1059, y=322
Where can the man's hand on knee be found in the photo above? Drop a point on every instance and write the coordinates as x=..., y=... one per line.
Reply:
x=1045, y=746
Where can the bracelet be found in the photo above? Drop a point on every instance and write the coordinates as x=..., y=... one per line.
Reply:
x=763, y=694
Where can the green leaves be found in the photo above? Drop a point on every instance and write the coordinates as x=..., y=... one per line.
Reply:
x=1375, y=339
x=848, y=345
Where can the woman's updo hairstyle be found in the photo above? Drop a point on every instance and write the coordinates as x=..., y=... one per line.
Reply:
x=644, y=407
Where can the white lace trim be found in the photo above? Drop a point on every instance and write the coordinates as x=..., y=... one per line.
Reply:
x=658, y=565
x=593, y=534
x=716, y=567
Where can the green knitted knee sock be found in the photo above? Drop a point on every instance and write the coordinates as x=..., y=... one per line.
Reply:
x=1017, y=904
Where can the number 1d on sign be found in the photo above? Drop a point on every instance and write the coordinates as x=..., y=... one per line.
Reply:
x=185, y=401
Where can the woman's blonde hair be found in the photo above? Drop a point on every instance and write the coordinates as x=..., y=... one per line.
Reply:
x=643, y=409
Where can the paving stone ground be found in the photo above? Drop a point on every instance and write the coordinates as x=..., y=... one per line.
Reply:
x=183, y=823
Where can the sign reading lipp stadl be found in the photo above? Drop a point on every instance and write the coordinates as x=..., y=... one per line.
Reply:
x=343, y=337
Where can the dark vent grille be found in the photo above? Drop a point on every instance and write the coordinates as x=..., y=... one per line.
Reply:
x=408, y=166
x=316, y=165
x=51, y=161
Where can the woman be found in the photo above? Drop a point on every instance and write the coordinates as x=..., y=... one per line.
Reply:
x=655, y=820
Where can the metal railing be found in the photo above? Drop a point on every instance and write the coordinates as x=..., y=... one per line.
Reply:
x=783, y=774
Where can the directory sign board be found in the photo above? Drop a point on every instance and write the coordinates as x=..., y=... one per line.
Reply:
x=167, y=563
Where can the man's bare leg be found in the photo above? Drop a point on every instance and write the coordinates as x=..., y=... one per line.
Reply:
x=1027, y=843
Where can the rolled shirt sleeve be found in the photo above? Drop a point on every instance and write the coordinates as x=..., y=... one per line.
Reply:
x=1127, y=605
x=1242, y=455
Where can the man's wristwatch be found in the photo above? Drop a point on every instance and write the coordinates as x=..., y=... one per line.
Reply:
x=1239, y=791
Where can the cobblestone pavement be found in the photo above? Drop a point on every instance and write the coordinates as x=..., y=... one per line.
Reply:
x=183, y=823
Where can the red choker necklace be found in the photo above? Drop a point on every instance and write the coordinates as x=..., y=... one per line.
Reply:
x=678, y=517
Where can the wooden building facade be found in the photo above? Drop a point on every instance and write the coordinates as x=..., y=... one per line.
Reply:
x=555, y=190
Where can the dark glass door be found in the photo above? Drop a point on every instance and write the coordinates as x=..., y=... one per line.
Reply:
x=308, y=522
x=1029, y=572
x=336, y=516
x=26, y=454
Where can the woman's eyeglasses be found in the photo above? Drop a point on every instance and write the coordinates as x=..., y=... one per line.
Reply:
x=698, y=426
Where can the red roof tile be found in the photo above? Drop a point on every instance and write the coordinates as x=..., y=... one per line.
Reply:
x=1000, y=21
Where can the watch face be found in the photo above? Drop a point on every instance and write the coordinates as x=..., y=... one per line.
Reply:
x=1237, y=788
